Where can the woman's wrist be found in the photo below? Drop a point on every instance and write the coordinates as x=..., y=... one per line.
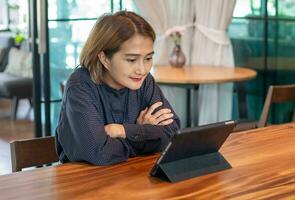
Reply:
x=115, y=130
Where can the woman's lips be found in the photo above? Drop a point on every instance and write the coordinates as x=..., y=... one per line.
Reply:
x=136, y=79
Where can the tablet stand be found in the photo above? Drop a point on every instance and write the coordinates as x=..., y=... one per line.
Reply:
x=192, y=167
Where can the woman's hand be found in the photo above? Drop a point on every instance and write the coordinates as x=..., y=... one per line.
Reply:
x=115, y=130
x=161, y=117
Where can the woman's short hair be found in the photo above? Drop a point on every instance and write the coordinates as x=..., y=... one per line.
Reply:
x=107, y=35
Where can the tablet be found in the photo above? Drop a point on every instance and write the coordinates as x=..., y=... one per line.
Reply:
x=197, y=147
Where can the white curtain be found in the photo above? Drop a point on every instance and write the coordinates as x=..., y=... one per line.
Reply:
x=164, y=14
x=205, y=43
x=212, y=46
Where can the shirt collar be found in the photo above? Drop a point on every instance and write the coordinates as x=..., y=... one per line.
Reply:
x=114, y=91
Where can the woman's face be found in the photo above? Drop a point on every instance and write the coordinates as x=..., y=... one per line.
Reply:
x=130, y=65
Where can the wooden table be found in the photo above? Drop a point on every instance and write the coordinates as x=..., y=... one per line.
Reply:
x=263, y=162
x=191, y=76
x=200, y=74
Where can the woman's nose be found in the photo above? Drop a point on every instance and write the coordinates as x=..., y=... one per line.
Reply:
x=141, y=69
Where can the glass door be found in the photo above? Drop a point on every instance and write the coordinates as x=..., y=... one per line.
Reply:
x=263, y=38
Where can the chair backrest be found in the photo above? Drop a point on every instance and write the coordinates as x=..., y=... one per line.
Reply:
x=62, y=87
x=276, y=94
x=6, y=42
x=32, y=152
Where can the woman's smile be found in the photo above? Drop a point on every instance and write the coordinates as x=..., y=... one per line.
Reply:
x=135, y=79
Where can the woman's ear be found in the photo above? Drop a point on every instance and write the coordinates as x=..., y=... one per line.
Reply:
x=105, y=61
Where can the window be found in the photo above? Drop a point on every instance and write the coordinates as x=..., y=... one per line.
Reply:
x=3, y=15
x=263, y=38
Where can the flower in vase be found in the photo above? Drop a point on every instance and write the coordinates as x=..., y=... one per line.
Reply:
x=175, y=33
x=177, y=57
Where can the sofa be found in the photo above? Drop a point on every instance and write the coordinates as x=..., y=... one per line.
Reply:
x=14, y=84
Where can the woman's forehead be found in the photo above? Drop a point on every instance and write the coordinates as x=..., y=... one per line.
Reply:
x=137, y=44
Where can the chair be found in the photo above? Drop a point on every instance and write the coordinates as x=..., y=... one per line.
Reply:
x=13, y=86
x=275, y=94
x=62, y=86
x=32, y=152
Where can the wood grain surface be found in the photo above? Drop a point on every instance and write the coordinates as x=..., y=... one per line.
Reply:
x=263, y=163
x=198, y=74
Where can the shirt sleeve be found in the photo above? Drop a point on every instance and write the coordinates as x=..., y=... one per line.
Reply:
x=148, y=138
x=82, y=136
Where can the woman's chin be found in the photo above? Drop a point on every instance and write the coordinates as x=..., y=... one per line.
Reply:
x=134, y=86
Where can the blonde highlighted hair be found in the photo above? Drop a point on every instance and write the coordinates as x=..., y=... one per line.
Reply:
x=108, y=34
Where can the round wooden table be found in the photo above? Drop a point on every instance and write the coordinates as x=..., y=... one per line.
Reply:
x=200, y=74
x=191, y=76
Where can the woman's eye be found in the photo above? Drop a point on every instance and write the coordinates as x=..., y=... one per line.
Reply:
x=148, y=59
x=131, y=60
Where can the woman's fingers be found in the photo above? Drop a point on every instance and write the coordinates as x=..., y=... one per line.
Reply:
x=166, y=122
x=140, y=118
x=162, y=112
x=153, y=107
x=164, y=117
x=143, y=112
x=161, y=117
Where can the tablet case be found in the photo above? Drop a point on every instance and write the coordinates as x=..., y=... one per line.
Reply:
x=193, y=166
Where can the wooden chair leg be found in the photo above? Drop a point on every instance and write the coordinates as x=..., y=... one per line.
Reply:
x=14, y=106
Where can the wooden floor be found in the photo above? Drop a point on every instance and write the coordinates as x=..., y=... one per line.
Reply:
x=12, y=130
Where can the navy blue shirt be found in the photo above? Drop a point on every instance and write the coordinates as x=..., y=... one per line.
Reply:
x=87, y=107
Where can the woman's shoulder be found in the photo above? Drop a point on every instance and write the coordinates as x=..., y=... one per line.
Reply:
x=79, y=76
x=148, y=82
x=80, y=80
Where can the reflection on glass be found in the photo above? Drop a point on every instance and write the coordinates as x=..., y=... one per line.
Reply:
x=123, y=5
x=286, y=8
x=245, y=28
x=128, y=5
x=247, y=41
x=250, y=7
x=248, y=48
x=281, y=62
x=77, y=9
x=274, y=61
x=271, y=7
x=66, y=40
x=282, y=50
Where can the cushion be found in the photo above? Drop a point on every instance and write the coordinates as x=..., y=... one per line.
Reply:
x=6, y=41
x=19, y=63
x=11, y=85
x=2, y=51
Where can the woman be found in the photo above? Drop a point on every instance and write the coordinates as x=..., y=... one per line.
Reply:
x=112, y=108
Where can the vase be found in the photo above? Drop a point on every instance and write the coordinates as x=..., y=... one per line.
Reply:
x=177, y=57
